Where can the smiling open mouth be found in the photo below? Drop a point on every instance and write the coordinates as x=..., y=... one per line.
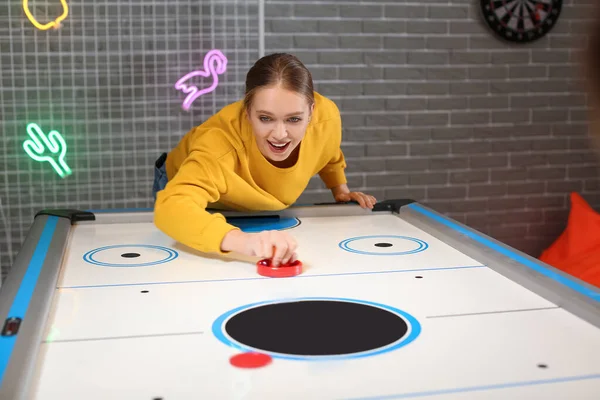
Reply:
x=278, y=148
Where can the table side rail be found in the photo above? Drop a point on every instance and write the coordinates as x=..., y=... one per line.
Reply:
x=39, y=267
x=556, y=286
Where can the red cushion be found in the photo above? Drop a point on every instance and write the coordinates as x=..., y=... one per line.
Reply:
x=577, y=250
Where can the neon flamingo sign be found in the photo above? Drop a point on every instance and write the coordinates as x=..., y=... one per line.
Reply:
x=215, y=64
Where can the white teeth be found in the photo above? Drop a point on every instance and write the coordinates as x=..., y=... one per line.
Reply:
x=278, y=145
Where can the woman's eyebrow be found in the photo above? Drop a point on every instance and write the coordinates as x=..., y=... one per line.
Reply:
x=287, y=115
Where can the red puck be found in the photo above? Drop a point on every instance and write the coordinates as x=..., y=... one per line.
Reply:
x=265, y=268
x=250, y=360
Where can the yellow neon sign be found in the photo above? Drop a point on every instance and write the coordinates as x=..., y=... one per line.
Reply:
x=52, y=24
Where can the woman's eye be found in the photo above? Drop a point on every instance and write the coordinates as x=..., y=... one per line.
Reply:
x=264, y=119
x=295, y=119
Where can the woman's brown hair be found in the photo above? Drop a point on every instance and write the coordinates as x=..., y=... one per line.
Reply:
x=279, y=69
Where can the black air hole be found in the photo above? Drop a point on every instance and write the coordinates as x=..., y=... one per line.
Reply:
x=130, y=255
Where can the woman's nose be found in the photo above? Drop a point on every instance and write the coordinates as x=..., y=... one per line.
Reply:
x=280, y=132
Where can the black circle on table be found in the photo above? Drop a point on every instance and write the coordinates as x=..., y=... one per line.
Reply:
x=316, y=328
x=419, y=277
x=144, y=291
x=130, y=255
x=383, y=244
x=520, y=21
x=542, y=366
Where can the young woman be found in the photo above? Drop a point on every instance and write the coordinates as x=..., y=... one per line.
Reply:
x=256, y=154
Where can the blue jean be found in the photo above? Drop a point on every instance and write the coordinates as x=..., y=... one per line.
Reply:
x=160, y=175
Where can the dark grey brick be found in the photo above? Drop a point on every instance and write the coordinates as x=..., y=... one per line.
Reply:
x=487, y=190
x=552, y=115
x=293, y=26
x=407, y=164
x=361, y=73
x=366, y=164
x=427, y=58
x=310, y=10
x=404, y=73
x=394, y=89
x=367, y=104
x=410, y=133
x=512, y=57
x=447, y=103
x=550, y=56
x=490, y=102
x=480, y=87
x=405, y=11
x=446, y=192
x=488, y=161
x=469, y=177
x=445, y=43
x=427, y=149
x=417, y=194
x=527, y=71
x=469, y=118
x=358, y=133
x=387, y=149
x=385, y=120
x=469, y=57
x=336, y=57
x=446, y=73
x=466, y=27
x=450, y=162
x=512, y=116
x=385, y=57
x=384, y=27
x=426, y=27
x=387, y=179
x=448, y=12
x=470, y=147
x=315, y=42
x=485, y=73
x=563, y=186
x=404, y=42
x=547, y=173
x=425, y=88
x=407, y=104
x=361, y=11
x=353, y=150
x=339, y=26
x=428, y=178
x=428, y=119
x=360, y=42
x=579, y=172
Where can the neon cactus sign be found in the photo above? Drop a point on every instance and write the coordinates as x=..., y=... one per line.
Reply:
x=215, y=63
x=52, y=24
x=45, y=148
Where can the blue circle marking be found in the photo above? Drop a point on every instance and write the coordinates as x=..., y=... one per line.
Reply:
x=413, y=331
x=421, y=245
x=258, y=224
x=170, y=255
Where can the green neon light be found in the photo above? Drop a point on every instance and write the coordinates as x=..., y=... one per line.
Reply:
x=54, y=143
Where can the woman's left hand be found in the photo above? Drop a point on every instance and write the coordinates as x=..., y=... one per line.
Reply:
x=364, y=200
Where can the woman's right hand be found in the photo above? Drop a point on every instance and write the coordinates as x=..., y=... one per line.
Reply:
x=278, y=246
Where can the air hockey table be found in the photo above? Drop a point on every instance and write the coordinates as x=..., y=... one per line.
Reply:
x=398, y=302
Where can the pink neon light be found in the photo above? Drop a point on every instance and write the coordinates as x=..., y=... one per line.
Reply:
x=215, y=63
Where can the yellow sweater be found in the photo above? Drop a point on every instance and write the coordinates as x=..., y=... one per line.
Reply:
x=218, y=165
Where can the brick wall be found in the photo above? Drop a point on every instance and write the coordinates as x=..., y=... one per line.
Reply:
x=436, y=108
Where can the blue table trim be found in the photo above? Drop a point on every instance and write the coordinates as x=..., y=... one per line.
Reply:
x=23, y=297
x=504, y=250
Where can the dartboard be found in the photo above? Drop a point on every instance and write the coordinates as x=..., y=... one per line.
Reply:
x=521, y=20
